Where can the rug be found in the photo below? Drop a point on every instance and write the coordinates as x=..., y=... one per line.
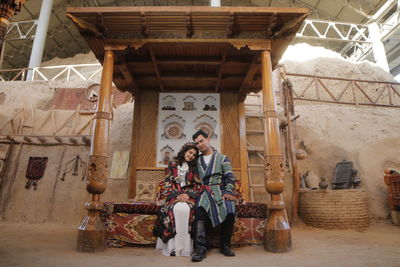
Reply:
x=132, y=223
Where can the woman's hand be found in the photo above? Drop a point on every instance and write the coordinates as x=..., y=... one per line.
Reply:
x=183, y=197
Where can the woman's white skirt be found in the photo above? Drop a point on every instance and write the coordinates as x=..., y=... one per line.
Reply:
x=182, y=244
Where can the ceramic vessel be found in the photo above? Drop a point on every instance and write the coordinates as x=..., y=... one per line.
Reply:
x=312, y=180
x=323, y=184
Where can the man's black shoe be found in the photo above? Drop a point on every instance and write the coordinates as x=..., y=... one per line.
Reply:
x=198, y=255
x=227, y=251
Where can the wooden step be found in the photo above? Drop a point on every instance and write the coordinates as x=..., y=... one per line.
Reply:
x=256, y=185
x=253, y=105
x=255, y=131
x=256, y=165
x=253, y=115
x=255, y=148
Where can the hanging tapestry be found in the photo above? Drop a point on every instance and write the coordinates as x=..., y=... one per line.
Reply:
x=120, y=164
x=35, y=171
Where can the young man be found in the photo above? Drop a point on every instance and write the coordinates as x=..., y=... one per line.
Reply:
x=217, y=204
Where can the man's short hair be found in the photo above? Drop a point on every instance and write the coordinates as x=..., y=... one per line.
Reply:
x=200, y=132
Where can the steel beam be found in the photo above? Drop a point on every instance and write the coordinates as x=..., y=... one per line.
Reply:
x=40, y=37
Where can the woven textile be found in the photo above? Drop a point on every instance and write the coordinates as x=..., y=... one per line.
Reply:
x=133, y=208
x=124, y=228
x=246, y=231
x=133, y=223
x=248, y=210
x=35, y=170
x=252, y=210
x=131, y=228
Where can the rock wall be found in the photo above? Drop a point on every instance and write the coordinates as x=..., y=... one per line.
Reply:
x=54, y=200
x=366, y=135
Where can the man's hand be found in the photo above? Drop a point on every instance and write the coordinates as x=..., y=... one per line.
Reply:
x=228, y=197
x=183, y=197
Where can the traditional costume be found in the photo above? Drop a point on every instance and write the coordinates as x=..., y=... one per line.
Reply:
x=218, y=176
x=174, y=224
x=215, y=171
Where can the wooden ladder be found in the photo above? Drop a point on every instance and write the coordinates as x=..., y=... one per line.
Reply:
x=254, y=110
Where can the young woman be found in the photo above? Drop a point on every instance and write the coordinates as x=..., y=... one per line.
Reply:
x=179, y=191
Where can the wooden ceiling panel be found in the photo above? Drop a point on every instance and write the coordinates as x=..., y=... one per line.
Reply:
x=216, y=49
x=140, y=67
x=189, y=68
x=190, y=85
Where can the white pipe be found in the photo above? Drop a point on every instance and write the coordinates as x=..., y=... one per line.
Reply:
x=40, y=35
x=377, y=46
x=215, y=3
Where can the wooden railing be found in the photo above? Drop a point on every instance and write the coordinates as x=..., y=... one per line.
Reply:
x=345, y=91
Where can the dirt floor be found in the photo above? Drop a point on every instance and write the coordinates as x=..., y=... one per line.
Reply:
x=54, y=245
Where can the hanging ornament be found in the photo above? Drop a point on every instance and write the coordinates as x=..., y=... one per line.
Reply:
x=73, y=166
x=35, y=171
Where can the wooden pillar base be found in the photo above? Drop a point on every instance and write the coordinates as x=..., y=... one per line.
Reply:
x=277, y=234
x=91, y=232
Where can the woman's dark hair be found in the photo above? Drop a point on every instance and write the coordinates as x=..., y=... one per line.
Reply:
x=180, y=158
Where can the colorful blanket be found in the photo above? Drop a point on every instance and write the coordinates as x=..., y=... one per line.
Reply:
x=132, y=223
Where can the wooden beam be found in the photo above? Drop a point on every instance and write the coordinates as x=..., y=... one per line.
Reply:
x=193, y=61
x=41, y=139
x=101, y=25
x=184, y=9
x=156, y=70
x=145, y=27
x=252, y=44
x=188, y=61
x=250, y=73
x=271, y=26
x=223, y=59
x=73, y=141
x=189, y=31
x=127, y=74
x=85, y=26
x=231, y=22
x=188, y=77
x=290, y=27
x=86, y=140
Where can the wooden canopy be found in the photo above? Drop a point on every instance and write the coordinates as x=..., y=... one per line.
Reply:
x=177, y=49
x=147, y=50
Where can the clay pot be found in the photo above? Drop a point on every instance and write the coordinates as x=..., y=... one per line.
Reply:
x=323, y=184
x=312, y=180
x=301, y=154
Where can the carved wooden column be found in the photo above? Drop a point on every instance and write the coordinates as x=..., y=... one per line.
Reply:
x=277, y=236
x=91, y=232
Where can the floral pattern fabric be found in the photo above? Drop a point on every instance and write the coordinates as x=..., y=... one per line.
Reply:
x=168, y=191
x=129, y=223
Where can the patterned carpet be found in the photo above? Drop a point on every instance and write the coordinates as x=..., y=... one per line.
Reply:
x=132, y=223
